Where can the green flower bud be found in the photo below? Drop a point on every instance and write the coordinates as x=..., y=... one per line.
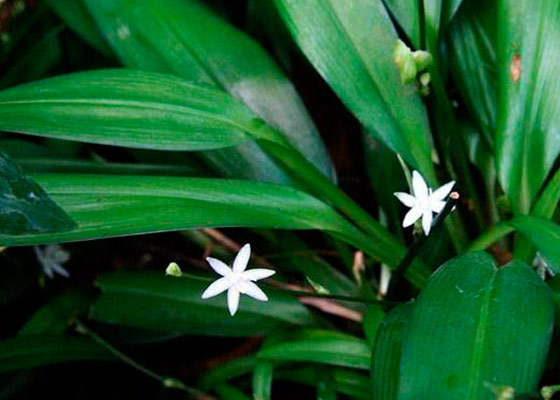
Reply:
x=425, y=79
x=423, y=59
x=173, y=270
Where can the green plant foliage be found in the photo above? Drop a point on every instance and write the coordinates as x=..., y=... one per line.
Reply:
x=527, y=142
x=150, y=300
x=335, y=36
x=24, y=206
x=208, y=50
x=496, y=322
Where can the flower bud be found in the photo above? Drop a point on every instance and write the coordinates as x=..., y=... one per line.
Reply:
x=173, y=270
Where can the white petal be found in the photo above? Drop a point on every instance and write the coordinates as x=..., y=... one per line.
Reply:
x=251, y=289
x=233, y=300
x=216, y=287
x=242, y=258
x=60, y=270
x=419, y=186
x=258, y=273
x=48, y=270
x=442, y=192
x=219, y=266
x=427, y=222
x=437, y=206
x=405, y=198
x=412, y=216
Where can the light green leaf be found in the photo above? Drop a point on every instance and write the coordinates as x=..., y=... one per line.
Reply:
x=184, y=38
x=336, y=36
x=528, y=125
x=127, y=108
x=114, y=205
x=25, y=208
x=150, y=300
x=324, y=347
x=476, y=325
x=31, y=351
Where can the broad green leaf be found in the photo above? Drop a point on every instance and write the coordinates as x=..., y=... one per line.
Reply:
x=386, y=357
x=76, y=15
x=527, y=129
x=407, y=14
x=114, y=205
x=127, y=108
x=25, y=208
x=323, y=347
x=55, y=316
x=476, y=325
x=437, y=13
x=336, y=36
x=29, y=351
x=184, y=38
x=544, y=234
x=472, y=41
x=151, y=300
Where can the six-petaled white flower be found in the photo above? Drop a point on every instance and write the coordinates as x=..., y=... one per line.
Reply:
x=424, y=202
x=51, y=259
x=237, y=280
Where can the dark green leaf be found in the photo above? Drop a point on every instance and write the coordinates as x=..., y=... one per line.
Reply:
x=472, y=54
x=336, y=36
x=544, y=234
x=150, y=300
x=76, y=15
x=24, y=352
x=386, y=357
x=407, y=15
x=55, y=317
x=183, y=37
x=527, y=142
x=324, y=347
x=547, y=203
x=476, y=325
x=114, y=205
x=24, y=207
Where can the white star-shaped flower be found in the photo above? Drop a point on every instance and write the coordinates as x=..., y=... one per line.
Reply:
x=51, y=259
x=236, y=280
x=424, y=202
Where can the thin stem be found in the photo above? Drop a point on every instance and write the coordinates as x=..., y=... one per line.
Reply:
x=303, y=293
x=166, y=381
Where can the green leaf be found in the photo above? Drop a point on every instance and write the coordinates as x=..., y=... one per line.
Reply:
x=336, y=36
x=228, y=370
x=228, y=392
x=386, y=357
x=476, y=325
x=127, y=108
x=115, y=205
x=55, y=316
x=544, y=234
x=31, y=351
x=24, y=206
x=184, y=38
x=324, y=347
x=150, y=300
x=527, y=142
x=262, y=380
x=76, y=15
x=407, y=15
x=472, y=41
x=548, y=200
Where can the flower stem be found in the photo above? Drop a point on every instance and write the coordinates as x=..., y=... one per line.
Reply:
x=166, y=381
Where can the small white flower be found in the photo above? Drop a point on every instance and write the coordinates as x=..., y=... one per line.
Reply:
x=236, y=280
x=51, y=259
x=424, y=202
